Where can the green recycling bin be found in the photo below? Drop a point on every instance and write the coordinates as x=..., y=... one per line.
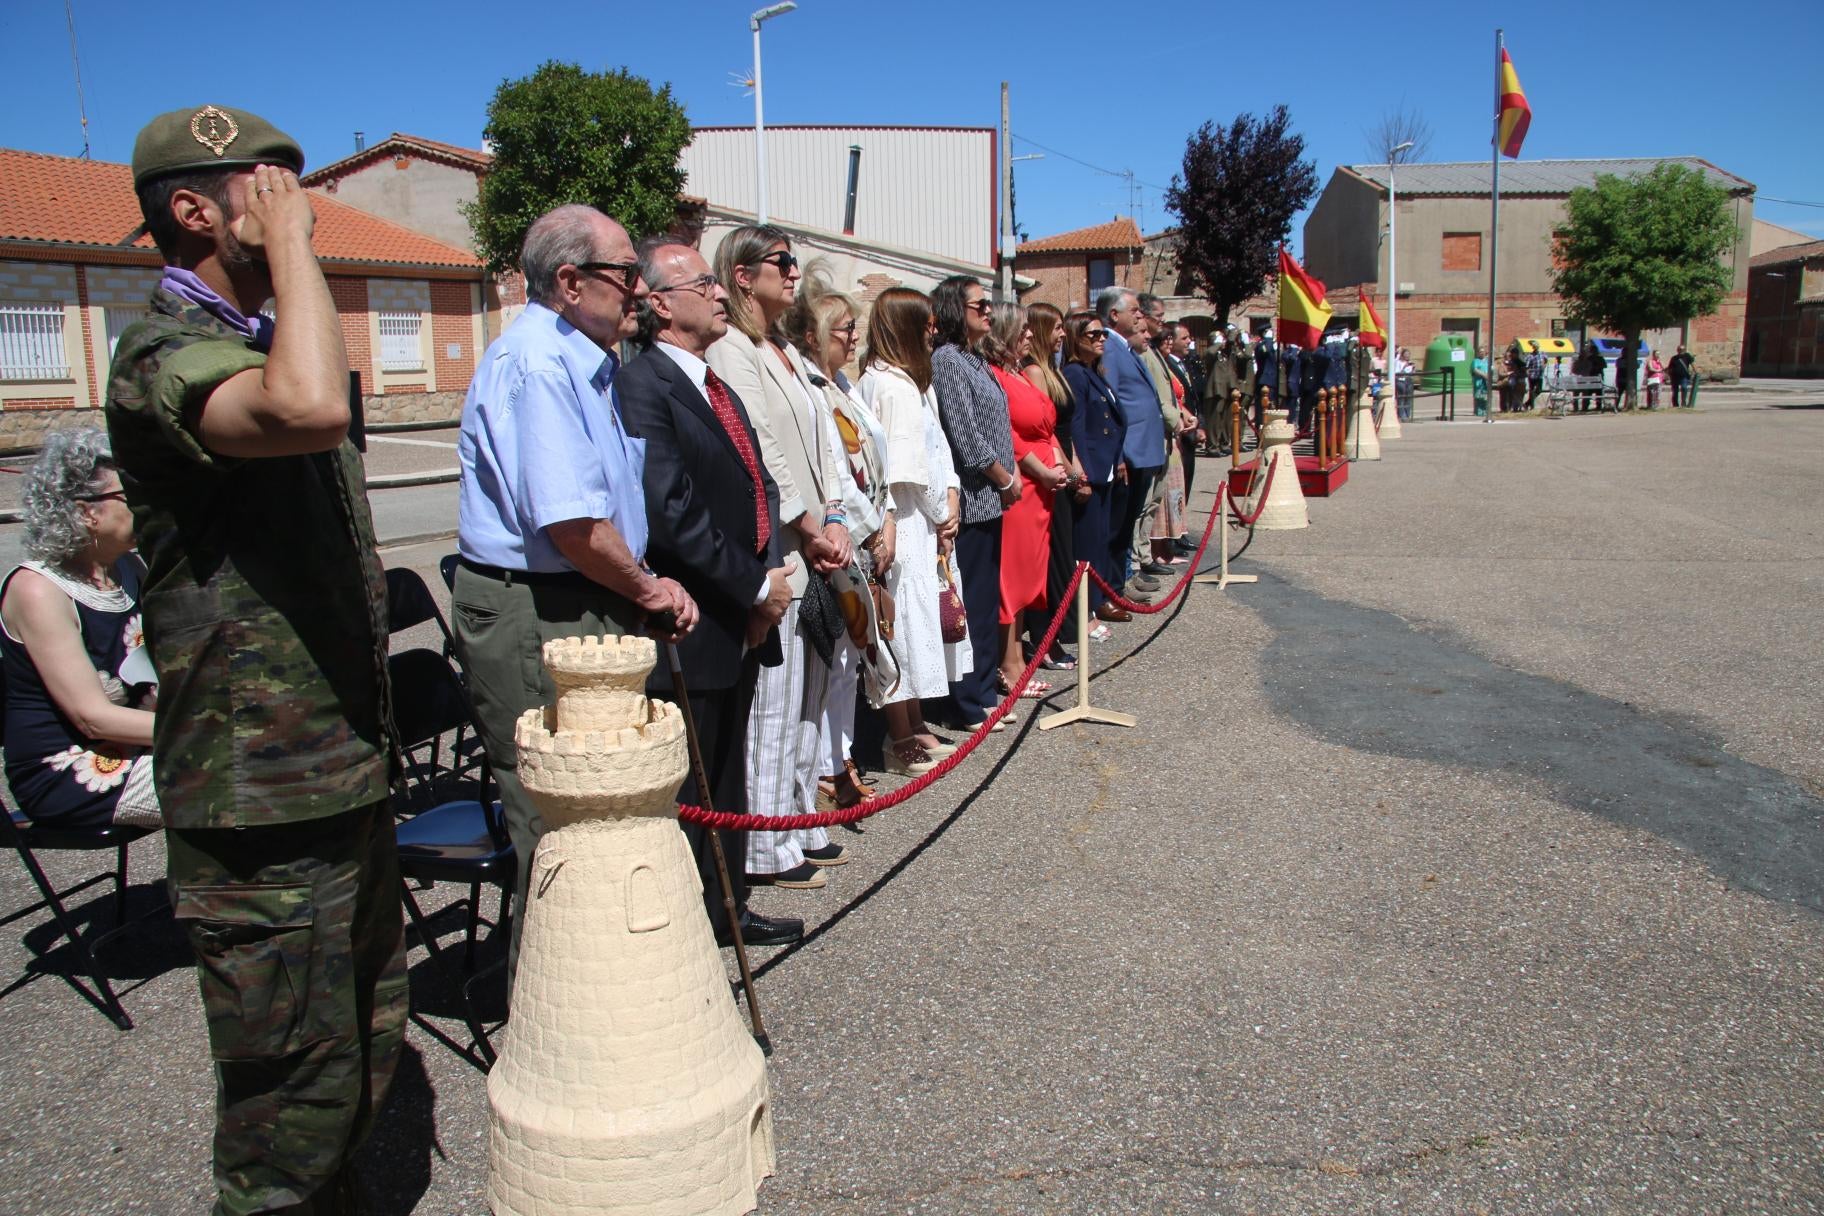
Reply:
x=1448, y=360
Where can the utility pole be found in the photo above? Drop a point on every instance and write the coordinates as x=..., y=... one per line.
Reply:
x=753, y=23
x=1005, y=289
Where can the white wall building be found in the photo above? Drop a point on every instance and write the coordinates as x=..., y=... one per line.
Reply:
x=924, y=189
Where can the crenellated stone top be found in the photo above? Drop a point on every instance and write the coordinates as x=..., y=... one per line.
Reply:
x=604, y=750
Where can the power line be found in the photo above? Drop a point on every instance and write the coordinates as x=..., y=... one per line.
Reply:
x=1121, y=173
x=82, y=108
x=1768, y=198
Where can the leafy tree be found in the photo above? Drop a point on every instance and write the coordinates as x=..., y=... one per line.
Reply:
x=1644, y=252
x=1235, y=201
x=563, y=135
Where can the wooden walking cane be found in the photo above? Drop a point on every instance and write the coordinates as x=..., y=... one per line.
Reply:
x=715, y=843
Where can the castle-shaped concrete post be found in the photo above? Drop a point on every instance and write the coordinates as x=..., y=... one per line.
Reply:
x=1364, y=444
x=1390, y=412
x=627, y=1081
x=1285, y=509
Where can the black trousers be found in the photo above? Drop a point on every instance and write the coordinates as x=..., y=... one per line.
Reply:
x=1126, y=506
x=1057, y=575
x=978, y=559
x=1187, y=453
x=721, y=716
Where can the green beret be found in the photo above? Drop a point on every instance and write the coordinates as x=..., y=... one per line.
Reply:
x=210, y=137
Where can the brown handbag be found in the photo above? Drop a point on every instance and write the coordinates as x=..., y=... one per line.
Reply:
x=950, y=604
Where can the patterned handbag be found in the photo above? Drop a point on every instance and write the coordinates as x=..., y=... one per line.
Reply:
x=950, y=604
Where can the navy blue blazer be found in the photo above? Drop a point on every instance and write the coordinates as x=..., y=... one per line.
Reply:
x=1096, y=427
x=1138, y=403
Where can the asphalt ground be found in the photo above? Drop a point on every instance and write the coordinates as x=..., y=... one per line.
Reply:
x=1466, y=863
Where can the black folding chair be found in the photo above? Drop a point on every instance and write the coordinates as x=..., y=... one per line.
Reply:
x=26, y=838
x=448, y=838
x=408, y=604
x=446, y=566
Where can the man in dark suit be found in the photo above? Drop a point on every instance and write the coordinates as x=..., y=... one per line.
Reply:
x=713, y=511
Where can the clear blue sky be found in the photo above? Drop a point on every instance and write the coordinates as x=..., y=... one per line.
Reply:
x=1736, y=84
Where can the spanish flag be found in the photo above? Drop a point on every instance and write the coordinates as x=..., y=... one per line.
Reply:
x=1515, y=114
x=1373, y=332
x=1302, y=311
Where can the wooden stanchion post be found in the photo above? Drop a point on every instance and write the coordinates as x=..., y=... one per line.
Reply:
x=1083, y=711
x=1235, y=422
x=1222, y=578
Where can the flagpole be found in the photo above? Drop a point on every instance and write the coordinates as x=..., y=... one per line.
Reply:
x=1494, y=229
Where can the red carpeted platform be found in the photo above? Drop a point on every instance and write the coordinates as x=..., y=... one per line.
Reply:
x=1315, y=480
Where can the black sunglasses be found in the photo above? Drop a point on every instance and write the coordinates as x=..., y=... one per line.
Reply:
x=782, y=259
x=629, y=271
x=1095, y=335
x=980, y=306
x=121, y=495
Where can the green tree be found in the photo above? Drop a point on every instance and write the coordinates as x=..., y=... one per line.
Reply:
x=563, y=135
x=1644, y=252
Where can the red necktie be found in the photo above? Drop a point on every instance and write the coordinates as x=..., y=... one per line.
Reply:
x=724, y=405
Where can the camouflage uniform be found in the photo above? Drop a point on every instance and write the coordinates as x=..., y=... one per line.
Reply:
x=265, y=612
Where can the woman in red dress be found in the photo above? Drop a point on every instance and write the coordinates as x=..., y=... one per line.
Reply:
x=1025, y=526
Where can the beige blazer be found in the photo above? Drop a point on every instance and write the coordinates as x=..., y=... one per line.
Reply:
x=792, y=444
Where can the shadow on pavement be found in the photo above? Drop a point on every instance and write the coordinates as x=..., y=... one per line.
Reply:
x=1366, y=679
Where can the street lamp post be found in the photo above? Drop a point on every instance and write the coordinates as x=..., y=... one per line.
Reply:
x=1393, y=273
x=753, y=23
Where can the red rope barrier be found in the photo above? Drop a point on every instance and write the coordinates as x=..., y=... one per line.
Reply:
x=1260, y=501
x=1184, y=580
x=731, y=821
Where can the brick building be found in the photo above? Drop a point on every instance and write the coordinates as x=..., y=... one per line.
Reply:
x=1785, y=329
x=76, y=269
x=1071, y=267
x=1443, y=236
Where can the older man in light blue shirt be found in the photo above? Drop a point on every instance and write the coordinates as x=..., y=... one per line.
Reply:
x=552, y=513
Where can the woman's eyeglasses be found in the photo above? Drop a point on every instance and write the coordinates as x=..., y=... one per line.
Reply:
x=1095, y=335
x=846, y=330
x=781, y=259
x=104, y=496
x=980, y=307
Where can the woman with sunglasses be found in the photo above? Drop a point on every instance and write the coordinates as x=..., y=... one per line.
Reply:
x=78, y=684
x=1097, y=433
x=756, y=266
x=823, y=325
x=973, y=410
x=1026, y=525
x=1042, y=369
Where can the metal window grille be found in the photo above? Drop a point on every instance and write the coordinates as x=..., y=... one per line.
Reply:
x=400, y=350
x=116, y=321
x=31, y=342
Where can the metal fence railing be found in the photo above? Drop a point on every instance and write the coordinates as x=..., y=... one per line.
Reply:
x=400, y=347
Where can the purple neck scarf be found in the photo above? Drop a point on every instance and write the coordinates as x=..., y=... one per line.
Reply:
x=186, y=286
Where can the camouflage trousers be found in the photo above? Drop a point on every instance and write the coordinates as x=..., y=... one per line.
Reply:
x=300, y=949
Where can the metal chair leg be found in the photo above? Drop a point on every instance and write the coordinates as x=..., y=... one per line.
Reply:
x=103, y=998
x=478, y=1034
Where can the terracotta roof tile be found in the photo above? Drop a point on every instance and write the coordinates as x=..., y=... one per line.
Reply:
x=83, y=202
x=1118, y=233
x=1804, y=251
x=394, y=145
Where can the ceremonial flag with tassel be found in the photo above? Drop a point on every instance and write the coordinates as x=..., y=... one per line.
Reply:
x=1515, y=114
x=1302, y=311
x=1373, y=332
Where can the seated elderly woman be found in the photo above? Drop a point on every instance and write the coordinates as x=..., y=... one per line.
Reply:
x=78, y=686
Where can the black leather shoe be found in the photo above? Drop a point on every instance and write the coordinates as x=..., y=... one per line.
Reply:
x=758, y=930
x=1158, y=570
x=1184, y=548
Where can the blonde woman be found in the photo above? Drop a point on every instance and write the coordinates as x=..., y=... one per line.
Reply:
x=896, y=383
x=823, y=325
x=756, y=265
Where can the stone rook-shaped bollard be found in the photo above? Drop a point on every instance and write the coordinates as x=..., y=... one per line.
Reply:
x=1285, y=509
x=627, y=1082
x=1364, y=444
x=1390, y=412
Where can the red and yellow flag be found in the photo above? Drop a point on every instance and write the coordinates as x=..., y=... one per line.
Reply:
x=1302, y=311
x=1373, y=332
x=1515, y=114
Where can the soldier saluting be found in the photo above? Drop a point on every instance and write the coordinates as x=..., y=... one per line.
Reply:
x=265, y=613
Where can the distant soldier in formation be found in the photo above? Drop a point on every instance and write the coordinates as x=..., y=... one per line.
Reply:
x=265, y=612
